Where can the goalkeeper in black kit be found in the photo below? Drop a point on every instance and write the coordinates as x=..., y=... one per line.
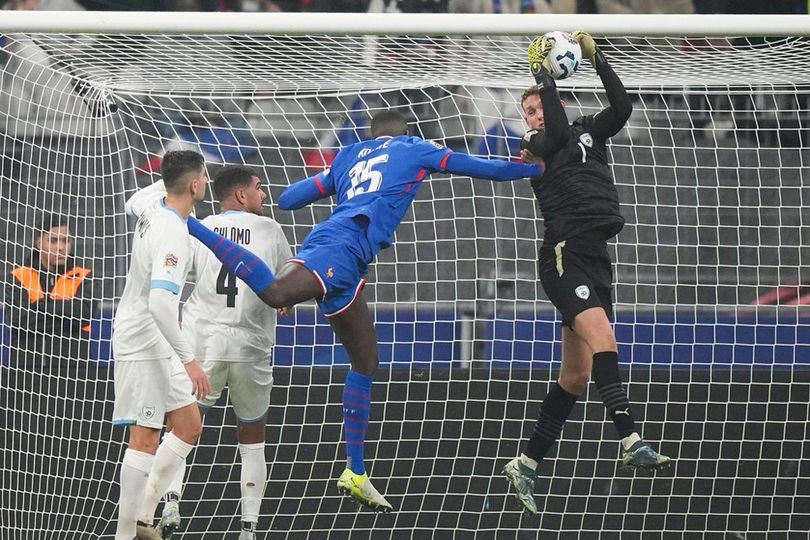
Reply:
x=580, y=207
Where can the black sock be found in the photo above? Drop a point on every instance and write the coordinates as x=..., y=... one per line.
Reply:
x=609, y=383
x=553, y=413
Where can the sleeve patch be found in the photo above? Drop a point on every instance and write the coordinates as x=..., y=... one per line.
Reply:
x=437, y=145
x=170, y=261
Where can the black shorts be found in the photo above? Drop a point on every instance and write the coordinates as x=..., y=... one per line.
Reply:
x=577, y=275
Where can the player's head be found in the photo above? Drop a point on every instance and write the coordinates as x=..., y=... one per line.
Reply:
x=54, y=241
x=533, y=108
x=239, y=188
x=388, y=123
x=184, y=173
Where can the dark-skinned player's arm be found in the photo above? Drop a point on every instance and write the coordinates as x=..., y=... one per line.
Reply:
x=437, y=158
x=499, y=170
x=241, y=262
x=610, y=120
x=544, y=144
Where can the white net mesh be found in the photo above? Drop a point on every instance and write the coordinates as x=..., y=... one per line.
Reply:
x=710, y=277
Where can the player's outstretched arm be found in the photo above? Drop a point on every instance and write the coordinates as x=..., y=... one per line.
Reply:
x=238, y=260
x=305, y=191
x=609, y=121
x=492, y=169
x=544, y=143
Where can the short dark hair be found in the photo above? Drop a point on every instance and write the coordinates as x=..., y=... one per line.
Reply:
x=530, y=91
x=177, y=164
x=48, y=221
x=390, y=123
x=230, y=177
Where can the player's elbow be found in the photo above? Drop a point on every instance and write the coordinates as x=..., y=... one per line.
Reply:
x=129, y=207
x=287, y=201
x=624, y=109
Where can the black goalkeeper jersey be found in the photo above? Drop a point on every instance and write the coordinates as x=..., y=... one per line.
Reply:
x=576, y=192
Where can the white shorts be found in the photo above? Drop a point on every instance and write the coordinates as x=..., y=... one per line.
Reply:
x=145, y=390
x=249, y=385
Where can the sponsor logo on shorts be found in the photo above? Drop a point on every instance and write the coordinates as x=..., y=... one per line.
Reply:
x=170, y=261
x=583, y=292
x=147, y=412
x=330, y=272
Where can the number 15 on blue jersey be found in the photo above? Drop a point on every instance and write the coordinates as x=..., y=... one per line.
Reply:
x=362, y=172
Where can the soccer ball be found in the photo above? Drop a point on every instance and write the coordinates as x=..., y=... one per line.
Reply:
x=566, y=54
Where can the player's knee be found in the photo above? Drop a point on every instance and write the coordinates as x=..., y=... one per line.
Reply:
x=144, y=441
x=189, y=433
x=276, y=297
x=604, y=343
x=599, y=338
x=574, y=383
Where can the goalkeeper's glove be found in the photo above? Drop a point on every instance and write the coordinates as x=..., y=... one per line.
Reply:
x=587, y=44
x=540, y=61
x=530, y=141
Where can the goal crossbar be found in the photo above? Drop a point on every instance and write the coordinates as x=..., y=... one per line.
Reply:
x=399, y=24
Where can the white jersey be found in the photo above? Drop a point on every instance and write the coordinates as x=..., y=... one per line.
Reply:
x=161, y=258
x=223, y=318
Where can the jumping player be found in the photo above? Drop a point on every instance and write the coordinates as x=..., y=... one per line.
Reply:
x=375, y=182
x=580, y=207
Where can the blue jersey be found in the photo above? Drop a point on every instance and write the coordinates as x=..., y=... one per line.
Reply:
x=380, y=178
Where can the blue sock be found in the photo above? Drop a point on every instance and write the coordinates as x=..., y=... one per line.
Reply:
x=239, y=261
x=356, y=406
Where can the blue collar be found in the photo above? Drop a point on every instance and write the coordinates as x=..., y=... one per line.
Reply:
x=172, y=210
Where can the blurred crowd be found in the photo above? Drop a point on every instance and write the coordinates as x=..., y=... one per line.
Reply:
x=427, y=6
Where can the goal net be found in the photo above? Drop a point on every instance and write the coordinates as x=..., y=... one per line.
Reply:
x=710, y=275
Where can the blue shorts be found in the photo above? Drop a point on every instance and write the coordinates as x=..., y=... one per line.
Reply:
x=337, y=253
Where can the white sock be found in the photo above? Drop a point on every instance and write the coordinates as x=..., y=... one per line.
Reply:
x=254, y=478
x=630, y=440
x=170, y=456
x=134, y=474
x=176, y=485
x=528, y=462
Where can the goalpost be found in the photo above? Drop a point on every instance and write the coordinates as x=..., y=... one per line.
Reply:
x=710, y=269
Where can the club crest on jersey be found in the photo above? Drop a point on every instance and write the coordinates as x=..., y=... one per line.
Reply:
x=330, y=272
x=583, y=292
x=147, y=412
x=586, y=139
x=170, y=261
